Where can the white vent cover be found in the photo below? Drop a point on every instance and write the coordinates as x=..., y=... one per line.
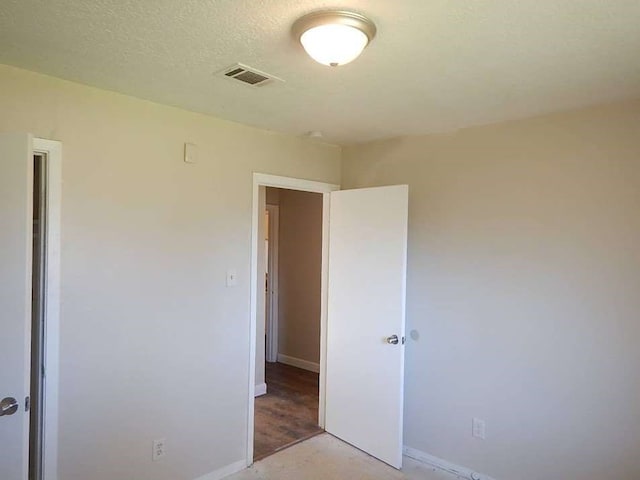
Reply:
x=247, y=75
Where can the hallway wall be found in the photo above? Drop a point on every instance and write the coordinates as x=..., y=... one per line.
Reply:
x=300, y=263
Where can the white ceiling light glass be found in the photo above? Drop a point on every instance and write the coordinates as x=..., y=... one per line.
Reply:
x=334, y=37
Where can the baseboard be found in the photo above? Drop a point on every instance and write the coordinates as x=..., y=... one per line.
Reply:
x=462, y=472
x=260, y=390
x=298, y=362
x=225, y=471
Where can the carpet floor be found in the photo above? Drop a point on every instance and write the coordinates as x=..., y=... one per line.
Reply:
x=324, y=457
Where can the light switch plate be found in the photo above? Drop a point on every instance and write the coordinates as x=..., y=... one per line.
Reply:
x=232, y=277
x=479, y=428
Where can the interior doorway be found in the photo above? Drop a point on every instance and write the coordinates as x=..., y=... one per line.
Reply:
x=45, y=310
x=364, y=236
x=30, y=185
x=38, y=317
x=257, y=347
x=287, y=403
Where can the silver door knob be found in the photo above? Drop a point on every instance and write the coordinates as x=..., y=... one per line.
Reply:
x=393, y=340
x=8, y=406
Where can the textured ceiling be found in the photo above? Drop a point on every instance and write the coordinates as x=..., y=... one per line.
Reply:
x=435, y=65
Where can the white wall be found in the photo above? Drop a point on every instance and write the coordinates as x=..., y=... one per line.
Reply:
x=152, y=342
x=523, y=286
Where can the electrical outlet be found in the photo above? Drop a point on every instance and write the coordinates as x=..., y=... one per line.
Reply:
x=479, y=428
x=159, y=449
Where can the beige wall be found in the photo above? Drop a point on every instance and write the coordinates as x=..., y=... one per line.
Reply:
x=300, y=264
x=147, y=240
x=524, y=291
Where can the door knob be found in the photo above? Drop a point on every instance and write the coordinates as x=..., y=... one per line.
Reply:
x=8, y=406
x=393, y=340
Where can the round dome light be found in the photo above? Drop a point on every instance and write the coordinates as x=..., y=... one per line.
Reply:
x=334, y=38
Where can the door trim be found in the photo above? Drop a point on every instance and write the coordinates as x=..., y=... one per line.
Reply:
x=265, y=180
x=274, y=312
x=52, y=150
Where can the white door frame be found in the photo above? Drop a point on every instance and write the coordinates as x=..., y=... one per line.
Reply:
x=272, y=293
x=264, y=180
x=52, y=151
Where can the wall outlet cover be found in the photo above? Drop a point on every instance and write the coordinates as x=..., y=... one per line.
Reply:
x=159, y=449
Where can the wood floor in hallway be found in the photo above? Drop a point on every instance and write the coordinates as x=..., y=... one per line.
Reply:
x=288, y=413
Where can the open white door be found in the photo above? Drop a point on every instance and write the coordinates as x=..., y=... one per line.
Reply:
x=16, y=176
x=366, y=317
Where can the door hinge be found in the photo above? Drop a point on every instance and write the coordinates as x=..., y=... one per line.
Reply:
x=27, y=403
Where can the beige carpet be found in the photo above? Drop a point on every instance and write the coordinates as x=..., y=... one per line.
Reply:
x=326, y=458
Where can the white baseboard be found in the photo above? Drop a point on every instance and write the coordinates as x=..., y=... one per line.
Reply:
x=225, y=471
x=298, y=362
x=462, y=472
x=260, y=390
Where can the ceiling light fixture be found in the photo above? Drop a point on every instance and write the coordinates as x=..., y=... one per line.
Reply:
x=334, y=37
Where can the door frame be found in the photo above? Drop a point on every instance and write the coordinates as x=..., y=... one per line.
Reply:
x=52, y=152
x=272, y=284
x=257, y=285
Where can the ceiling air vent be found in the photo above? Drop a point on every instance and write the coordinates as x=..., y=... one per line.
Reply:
x=247, y=75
